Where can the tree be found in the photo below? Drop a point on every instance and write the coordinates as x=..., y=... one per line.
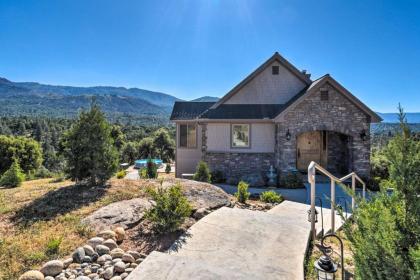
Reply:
x=386, y=230
x=89, y=148
x=13, y=177
x=202, y=173
x=129, y=152
x=146, y=148
x=26, y=150
x=118, y=136
x=164, y=145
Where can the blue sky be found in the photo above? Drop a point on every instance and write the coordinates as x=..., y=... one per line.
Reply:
x=194, y=48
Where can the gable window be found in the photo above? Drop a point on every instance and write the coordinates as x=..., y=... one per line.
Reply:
x=187, y=136
x=240, y=136
x=275, y=69
x=324, y=95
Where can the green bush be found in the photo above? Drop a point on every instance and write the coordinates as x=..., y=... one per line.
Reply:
x=168, y=168
x=202, y=173
x=217, y=176
x=379, y=170
x=170, y=209
x=121, y=174
x=291, y=180
x=13, y=177
x=385, y=235
x=53, y=246
x=242, y=194
x=151, y=169
x=271, y=197
x=143, y=173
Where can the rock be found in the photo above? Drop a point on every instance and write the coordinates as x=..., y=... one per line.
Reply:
x=135, y=254
x=94, y=257
x=89, y=250
x=102, y=250
x=107, y=234
x=52, y=268
x=129, y=270
x=67, y=262
x=133, y=265
x=200, y=213
x=116, y=278
x=83, y=278
x=61, y=277
x=104, y=258
x=95, y=241
x=202, y=195
x=127, y=258
x=87, y=259
x=93, y=276
x=125, y=214
x=78, y=255
x=50, y=278
x=139, y=260
x=120, y=232
x=110, y=243
x=124, y=275
x=108, y=273
x=32, y=275
x=119, y=267
x=117, y=253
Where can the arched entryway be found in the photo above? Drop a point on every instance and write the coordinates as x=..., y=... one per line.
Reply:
x=329, y=148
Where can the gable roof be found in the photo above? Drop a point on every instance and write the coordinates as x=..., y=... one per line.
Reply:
x=297, y=99
x=275, y=57
x=187, y=110
x=243, y=111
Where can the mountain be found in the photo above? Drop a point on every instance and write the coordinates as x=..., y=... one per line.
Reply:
x=206, y=99
x=35, y=99
x=393, y=117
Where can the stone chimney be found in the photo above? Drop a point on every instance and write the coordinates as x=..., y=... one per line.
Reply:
x=308, y=75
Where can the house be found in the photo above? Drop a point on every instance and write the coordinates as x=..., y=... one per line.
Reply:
x=276, y=116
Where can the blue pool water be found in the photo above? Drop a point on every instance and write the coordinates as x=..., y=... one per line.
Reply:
x=143, y=162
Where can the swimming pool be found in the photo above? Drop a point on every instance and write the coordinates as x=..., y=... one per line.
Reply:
x=143, y=162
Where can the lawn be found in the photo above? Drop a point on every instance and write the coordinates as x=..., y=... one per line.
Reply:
x=40, y=220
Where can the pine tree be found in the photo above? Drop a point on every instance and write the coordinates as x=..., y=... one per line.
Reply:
x=89, y=148
x=13, y=177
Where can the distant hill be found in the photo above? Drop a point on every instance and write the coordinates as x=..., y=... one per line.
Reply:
x=393, y=117
x=35, y=99
x=206, y=99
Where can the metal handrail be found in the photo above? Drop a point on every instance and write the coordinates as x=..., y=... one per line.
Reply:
x=313, y=166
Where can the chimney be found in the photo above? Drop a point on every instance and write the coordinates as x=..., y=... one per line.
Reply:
x=304, y=72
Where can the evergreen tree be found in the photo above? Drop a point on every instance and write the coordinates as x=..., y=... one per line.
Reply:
x=13, y=177
x=164, y=145
x=89, y=148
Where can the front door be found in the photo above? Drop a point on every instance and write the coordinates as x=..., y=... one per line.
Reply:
x=310, y=147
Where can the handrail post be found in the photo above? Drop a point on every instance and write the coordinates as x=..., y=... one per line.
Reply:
x=311, y=179
x=332, y=205
x=364, y=190
x=353, y=187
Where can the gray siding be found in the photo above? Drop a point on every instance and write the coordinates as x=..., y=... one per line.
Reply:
x=187, y=159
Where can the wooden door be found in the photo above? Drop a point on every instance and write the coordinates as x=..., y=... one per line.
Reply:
x=308, y=149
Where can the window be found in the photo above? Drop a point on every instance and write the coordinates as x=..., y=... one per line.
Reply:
x=324, y=95
x=187, y=136
x=240, y=136
x=275, y=69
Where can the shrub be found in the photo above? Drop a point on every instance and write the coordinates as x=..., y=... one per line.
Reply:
x=271, y=197
x=13, y=177
x=53, y=246
x=168, y=168
x=170, y=209
x=217, y=176
x=121, y=174
x=151, y=169
x=143, y=173
x=242, y=194
x=202, y=173
x=291, y=180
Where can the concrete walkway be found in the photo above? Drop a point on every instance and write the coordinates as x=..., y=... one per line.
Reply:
x=233, y=243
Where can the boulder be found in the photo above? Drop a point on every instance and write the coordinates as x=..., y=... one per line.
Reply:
x=89, y=251
x=126, y=214
x=200, y=213
x=78, y=255
x=32, y=275
x=95, y=241
x=120, y=232
x=117, y=253
x=52, y=268
x=116, y=278
x=102, y=250
x=67, y=262
x=107, y=234
x=119, y=267
x=83, y=278
x=103, y=259
x=202, y=195
x=110, y=243
x=127, y=258
x=135, y=254
x=108, y=273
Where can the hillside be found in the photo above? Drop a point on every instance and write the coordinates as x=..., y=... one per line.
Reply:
x=34, y=99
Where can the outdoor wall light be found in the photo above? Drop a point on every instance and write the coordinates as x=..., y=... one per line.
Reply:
x=288, y=135
x=363, y=135
x=325, y=268
x=309, y=216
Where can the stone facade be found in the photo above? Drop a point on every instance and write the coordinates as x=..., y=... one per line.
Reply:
x=237, y=166
x=337, y=114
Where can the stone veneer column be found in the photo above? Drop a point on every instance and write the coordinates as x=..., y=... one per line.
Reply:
x=203, y=141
